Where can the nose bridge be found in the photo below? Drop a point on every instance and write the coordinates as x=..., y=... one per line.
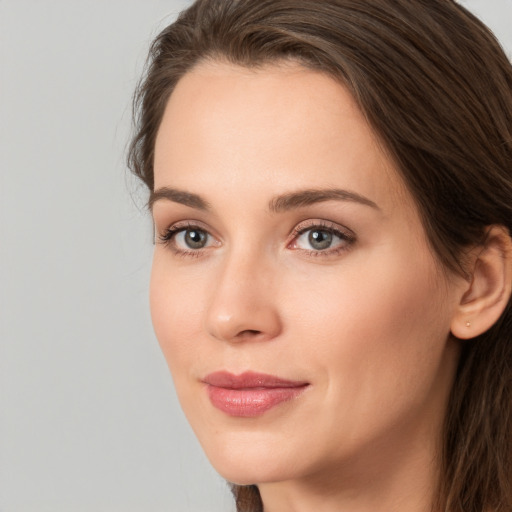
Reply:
x=242, y=305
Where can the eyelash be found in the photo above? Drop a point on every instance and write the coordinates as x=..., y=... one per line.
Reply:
x=347, y=238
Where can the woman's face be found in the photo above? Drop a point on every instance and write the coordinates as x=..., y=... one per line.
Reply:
x=302, y=314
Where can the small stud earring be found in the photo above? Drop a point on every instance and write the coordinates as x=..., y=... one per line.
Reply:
x=468, y=324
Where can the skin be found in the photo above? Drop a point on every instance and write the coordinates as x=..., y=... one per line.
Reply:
x=365, y=322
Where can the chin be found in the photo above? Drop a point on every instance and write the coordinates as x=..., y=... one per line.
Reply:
x=245, y=473
x=246, y=463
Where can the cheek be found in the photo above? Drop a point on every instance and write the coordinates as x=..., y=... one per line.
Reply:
x=176, y=306
x=374, y=294
x=377, y=327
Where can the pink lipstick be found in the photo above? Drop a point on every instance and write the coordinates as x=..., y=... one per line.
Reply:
x=249, y=394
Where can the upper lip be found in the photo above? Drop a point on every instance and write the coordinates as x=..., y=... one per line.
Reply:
x=249, y=380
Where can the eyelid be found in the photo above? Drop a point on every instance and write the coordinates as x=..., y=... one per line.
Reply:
x=181, y=225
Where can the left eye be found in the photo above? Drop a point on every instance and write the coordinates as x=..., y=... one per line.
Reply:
x=319, y=239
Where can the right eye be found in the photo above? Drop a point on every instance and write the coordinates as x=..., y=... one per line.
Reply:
x=191, y=238
x=187, y=239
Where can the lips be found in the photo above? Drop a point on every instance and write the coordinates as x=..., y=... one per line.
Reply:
x=250, y=394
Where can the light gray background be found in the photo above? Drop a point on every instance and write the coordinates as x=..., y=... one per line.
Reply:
x=88, y=416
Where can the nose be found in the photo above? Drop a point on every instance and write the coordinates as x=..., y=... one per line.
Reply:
x=243, y=306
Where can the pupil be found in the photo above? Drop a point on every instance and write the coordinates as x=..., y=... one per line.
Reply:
x=195, y=239
x=320, y=239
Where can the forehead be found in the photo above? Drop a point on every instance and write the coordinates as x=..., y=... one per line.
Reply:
x=278, y=123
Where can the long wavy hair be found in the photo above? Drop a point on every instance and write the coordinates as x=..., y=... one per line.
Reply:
x=436, y=87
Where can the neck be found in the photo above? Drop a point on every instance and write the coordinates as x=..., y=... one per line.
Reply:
x=396, y=481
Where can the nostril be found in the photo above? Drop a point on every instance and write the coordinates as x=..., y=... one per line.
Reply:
x=248, y=333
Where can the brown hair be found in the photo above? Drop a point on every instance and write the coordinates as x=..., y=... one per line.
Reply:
x=436, y=88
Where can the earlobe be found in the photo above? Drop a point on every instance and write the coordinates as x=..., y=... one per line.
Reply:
x=488, y=291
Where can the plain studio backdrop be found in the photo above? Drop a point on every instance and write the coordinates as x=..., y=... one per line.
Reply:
x=88, y=416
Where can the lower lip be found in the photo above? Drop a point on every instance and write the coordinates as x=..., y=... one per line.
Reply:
x=252, y=402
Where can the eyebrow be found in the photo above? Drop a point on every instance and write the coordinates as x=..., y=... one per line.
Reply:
x=279, y=204
x=178, y=196
x=302, y=198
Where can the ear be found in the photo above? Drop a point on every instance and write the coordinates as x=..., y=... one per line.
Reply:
x=489, y=287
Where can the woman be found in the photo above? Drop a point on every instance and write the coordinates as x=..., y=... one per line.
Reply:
x=331, y=186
